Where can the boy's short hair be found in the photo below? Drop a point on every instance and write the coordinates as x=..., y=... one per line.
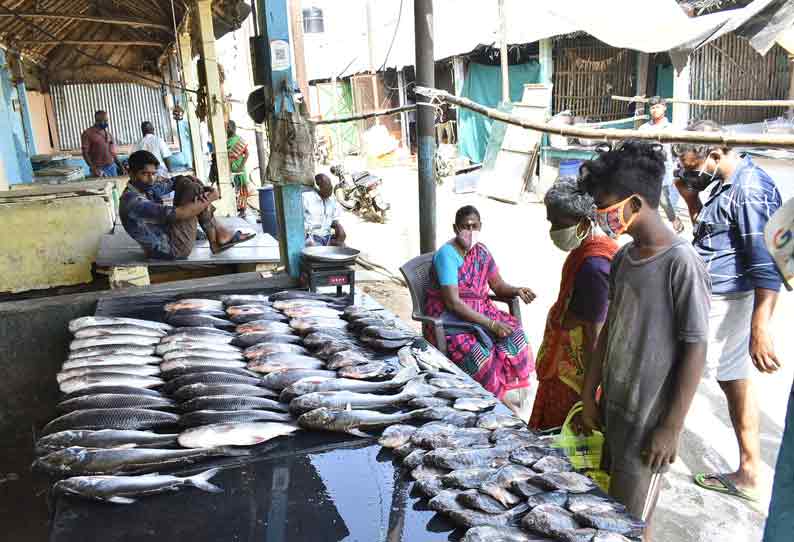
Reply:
x=656, y=100
x=630, y=167
x=701, y=150
x=140, y=159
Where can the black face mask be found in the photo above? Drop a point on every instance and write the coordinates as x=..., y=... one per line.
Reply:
x=695, y=180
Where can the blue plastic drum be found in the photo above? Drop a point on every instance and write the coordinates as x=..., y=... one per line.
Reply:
x=267, y=208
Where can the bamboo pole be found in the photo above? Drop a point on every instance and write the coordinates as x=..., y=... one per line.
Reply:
x=713, y=103
x=363, y=116
x=612, y=134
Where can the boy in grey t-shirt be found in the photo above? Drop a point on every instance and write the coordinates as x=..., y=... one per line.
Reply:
x=652, y=349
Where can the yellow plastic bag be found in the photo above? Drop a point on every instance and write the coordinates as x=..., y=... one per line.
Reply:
x=583, y=451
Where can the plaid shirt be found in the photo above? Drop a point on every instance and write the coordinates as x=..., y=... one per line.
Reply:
x=729, y=233
x=146, y=218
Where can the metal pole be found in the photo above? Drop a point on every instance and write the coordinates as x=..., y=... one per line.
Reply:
x=503, y=53
x=425, y=117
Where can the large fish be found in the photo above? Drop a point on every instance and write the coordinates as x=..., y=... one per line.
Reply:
x=253, y=338
x=571, y=482
x=490, y=533
x=109, y=379
x=283, y=360
x=471, y=498
x=103, y=438
x=120, y=390
x=141, y=369
x=442, y=435
x=124, y=489
x=209, y=377
x=319, y=338
x=94, y=321
x=385, y=345
x=494, y=420
x=453, y=459
x=232, y=300
x=110, y=360
x=470, y=478
x=395, y=436
x=191, y=391
x=200, y=320
x=499, y=484
x=291, y=295
x=368, y=371
x=234, y=434
x=330, y=349
x=212, y=364
x=312, y=312
x=300, y=387
x=113, y=340
x=263, y=349
x=198, y=331
x=612, y=521
x=120, y=329
x=307, y=325
x=551, y=520
x=182, y=370
x=347, y=358
x=111, y=418
x=279, y=380
x=113, y=400
x=208, y=417
x=263, y=326
x=446, y=502
x=203, y=352
x=389, y=333
x=195, y=304
x=341, y=400
x=475, y=404
x=86, y=461
x=194, y=344
x=242, y=314
x=112, y=350
x=429, y=358
x=353, y=422
x=233, y=402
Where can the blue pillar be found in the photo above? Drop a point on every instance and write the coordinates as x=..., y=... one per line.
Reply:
x=274, y=27
x=13, y=107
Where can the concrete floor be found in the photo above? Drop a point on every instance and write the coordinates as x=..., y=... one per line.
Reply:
x=517, y=236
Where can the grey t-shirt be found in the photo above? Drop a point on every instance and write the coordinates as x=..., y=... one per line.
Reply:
x=656, y=304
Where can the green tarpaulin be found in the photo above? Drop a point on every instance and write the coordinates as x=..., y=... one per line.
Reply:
x=483, y=85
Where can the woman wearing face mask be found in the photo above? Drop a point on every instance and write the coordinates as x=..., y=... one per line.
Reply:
x=487, y=343
x=576, y=318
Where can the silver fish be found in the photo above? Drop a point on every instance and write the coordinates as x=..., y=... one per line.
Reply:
x=209, y=377
x=374, y=369
x=263, y=349
x=494, y=421
x=347, y=358
x=319, y=338
x=386, y=332
x=306, y=325
x=112, y=350
x=490, y=533
x=279, y=380
x=113, y=400
x=263, y=326
x=204, y=352
x=86, y=461
x=183, y=370
x=121, y=390
x=550, y=520
x=455, y=393
x=499, y=484
x=610, y=520
x=202, y=320
x=214, y=364
x=102, y=438
x=253, y=338
x=467, y=478
x=557, y=498
x=234, y=434
x=341, y=400
x=108, y=379
x=198, y=331
x=423, y=472
x=428, y=357
x=529, y=455
x=233, y=402
x=331, y=349
x=458, y=437
x=525, y=436
x=526, y=490
x=572, y=482
x=111, y=418
x=587, y=501
x=453, y=459
x=194, y=304
x=113, y=340
x=251, y=316
x=110, y=360
x=396, y=435
x=124, y=489
x=142, y=369
x=552, y=464
x=232, y=300
x=471, y=498
x=194, y=344
x=120, y=329
x=94, y=321
x=446, y=502
x=275, y=362
x=429, y=487
x=207, y=417
x=451, y=416
x=191, y=391
x=299, y=387
x=404, y=451
x=352, y=421
x=429, y=402
x=414, y=460
x=474, y=404
x=451, y=382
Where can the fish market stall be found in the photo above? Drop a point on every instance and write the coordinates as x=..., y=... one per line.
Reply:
x=293, y=416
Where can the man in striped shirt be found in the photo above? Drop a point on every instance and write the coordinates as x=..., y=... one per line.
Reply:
x=729, y=235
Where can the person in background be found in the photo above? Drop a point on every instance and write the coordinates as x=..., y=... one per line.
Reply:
x=99, y=148
x=487, y=343
x=154, y=144
x=729, y=236
x=170, y=232
x=321, y=214
x=576, y=318
x=658, y=113
x=237, y=149
x=652, y=349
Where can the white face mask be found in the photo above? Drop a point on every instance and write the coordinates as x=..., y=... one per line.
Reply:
x=567, y=239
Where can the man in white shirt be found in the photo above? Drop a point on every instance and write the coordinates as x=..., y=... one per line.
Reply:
x=155, y=145
x=321, y=214
x=669, y=199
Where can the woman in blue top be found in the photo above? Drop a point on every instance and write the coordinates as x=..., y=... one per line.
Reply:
x=485, y=342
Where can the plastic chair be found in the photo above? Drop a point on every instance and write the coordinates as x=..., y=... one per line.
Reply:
x=417, y=275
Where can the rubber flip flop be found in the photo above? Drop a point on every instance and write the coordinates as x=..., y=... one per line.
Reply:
x=237, y=238
x=728, y=487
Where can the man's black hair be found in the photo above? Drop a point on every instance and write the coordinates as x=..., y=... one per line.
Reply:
x=656, y=100
x=99, y=112
x=632, y=167
x=147, y=127
x=140, y=159
x=465, y=211
x=700, y=149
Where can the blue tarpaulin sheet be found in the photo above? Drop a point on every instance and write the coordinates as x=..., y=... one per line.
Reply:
x=483, y=85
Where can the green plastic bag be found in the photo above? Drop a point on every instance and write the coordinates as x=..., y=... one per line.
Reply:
x=583, y=451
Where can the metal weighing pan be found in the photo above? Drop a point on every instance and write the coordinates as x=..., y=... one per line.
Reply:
x=340, y=255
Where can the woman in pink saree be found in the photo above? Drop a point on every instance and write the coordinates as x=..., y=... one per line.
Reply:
x=487, y=343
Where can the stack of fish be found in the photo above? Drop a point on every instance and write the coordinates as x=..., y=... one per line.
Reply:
x=377, y=329
x=197, y=312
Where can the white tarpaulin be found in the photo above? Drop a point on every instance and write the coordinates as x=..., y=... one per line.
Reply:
x=460, y=26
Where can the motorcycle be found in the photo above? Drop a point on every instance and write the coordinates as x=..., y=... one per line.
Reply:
x=360, y=193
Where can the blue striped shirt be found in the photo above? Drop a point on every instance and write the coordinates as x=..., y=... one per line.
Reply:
x=729, y=234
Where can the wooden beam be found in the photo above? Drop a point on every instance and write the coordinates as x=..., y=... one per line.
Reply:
x=714, y=103
x=92, y=43
x=123, y=21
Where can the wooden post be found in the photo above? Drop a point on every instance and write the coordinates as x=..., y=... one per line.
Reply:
x=191, y=81
x=642, y=86
x=546, y=61
x=296, y=22
x=790, y=113
x=226, y=205
x=681, y=92
x=503, y=60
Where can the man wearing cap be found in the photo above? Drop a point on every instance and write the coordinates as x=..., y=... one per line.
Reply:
x=669, y=199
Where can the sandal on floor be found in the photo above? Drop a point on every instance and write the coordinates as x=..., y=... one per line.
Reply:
x=726, y=486
x=237, y=238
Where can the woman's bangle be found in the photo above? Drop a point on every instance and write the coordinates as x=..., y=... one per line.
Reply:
x=492, y=325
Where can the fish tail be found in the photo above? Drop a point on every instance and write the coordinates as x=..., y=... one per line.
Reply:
x=201, y=481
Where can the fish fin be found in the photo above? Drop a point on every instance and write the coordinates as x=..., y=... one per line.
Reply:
x=358, y=433
x=201, y=481
x=348, y=407
x=120, y=500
